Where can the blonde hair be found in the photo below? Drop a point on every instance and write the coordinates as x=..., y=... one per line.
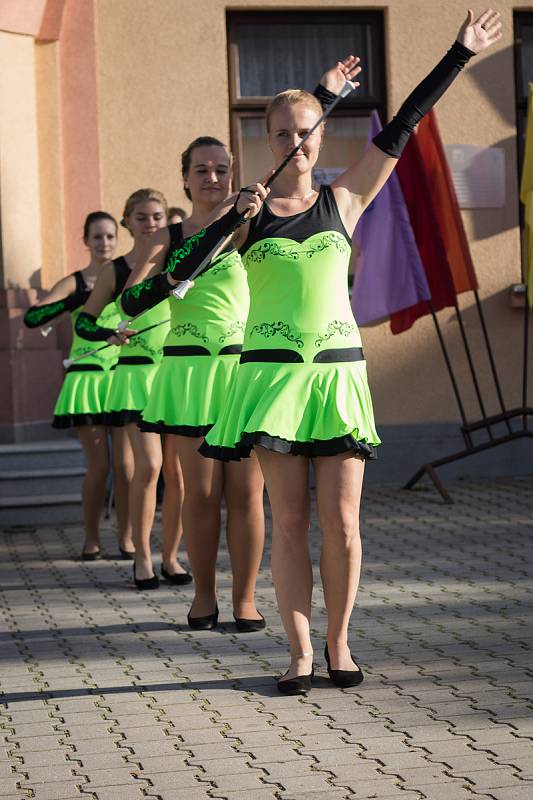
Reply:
x=290, y=98
x=143, y=196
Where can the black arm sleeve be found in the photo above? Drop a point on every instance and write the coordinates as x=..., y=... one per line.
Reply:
x=324, y=96
x=39, y=315
x=182, y=261
x=145, y=295
x=394, y=136
x=87, y=328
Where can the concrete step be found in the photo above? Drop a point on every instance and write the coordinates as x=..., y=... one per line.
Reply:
x=41, y=455
x=34, y=510
x=39, y=482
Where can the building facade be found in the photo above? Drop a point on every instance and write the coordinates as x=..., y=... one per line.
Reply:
x=99, y=98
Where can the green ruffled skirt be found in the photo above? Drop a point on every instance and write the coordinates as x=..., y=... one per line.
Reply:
x=188, y=394
x=83, y=399
x=129, y=392
x=305, y=409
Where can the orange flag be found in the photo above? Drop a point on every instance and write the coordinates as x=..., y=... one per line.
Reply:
x=445, y=201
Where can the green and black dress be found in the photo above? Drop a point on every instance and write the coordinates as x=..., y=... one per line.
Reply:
x=139, y=360
x=202, y=348
x=301, y=386
x=83, y=396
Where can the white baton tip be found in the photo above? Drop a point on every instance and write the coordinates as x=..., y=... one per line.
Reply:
x=67, y=363
x=123, y=324
x=347, y=89
x=181, y=289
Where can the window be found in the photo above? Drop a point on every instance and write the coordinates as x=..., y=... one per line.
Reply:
x=523, y=25
x=273, y=51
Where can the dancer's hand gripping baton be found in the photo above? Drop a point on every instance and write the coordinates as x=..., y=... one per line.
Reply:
x=68, y=362
x=183, y=286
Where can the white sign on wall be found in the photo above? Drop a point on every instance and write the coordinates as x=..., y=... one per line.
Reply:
x=478, y=175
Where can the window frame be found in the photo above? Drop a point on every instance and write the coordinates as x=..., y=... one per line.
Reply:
x=253, y=107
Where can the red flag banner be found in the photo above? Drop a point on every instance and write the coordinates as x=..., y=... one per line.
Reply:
x=417, y=192
x=445, y=201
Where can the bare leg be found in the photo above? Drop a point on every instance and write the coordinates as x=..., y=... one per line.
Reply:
x=172, y=505
x=339, y=481
x=122, y=456
x=287, y=479
x=142, y=501
x=243, y=490
x=202, y=478
x=93, y=440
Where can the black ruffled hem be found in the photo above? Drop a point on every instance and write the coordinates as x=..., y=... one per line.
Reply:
x=117, y=419
x=64, y=421
x=194, y=431
x=314, y=449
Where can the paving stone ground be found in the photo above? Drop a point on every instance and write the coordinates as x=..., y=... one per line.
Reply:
x=107, y=695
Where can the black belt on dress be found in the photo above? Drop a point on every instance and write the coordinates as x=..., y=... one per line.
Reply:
x=85, y=368
x=284, y=356
x=134, y=360
x=197, y=350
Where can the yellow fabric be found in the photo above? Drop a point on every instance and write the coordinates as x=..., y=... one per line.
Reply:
x=526, y=196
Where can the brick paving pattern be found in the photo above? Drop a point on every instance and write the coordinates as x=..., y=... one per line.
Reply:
x=107, y=695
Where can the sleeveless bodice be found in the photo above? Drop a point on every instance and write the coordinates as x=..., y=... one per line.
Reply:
x=297, y=270
x=109, y=318
x=212, y=315
x=147, y=345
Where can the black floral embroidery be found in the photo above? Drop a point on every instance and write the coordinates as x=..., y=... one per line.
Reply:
x=234, y=328
x=294, y=250
x=344, y=328
x=146, y=346
x=188, y=327
x=264, y=249
x=269, y=329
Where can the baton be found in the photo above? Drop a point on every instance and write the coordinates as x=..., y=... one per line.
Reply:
x=68, y=362
x=183, y=286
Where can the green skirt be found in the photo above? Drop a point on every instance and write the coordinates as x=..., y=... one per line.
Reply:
x=305, y=409
x=129, y=392
x=188, y=394
x=82, y=399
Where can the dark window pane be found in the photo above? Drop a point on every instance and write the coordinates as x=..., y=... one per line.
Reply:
x=526, y=57
x=278, y=56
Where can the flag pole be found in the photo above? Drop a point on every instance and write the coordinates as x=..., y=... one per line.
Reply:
x=490, y=355
x=525, y=364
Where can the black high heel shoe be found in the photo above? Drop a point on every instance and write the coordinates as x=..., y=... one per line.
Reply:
x=206, y=623
x=301, y=684
x=176, y=578
x=249, y=625
x=344, y=678
x=145, y=584
x=94, y=556
x=126, y=555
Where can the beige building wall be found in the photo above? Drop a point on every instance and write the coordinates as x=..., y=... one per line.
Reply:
x=163, y=69
x=19, y=168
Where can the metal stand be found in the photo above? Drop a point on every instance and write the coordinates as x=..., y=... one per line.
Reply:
x=486, y=423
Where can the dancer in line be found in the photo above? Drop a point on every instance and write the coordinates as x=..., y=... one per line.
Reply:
x=81, y=401
x=145, y=213
x=301, y=391
x=201, y=356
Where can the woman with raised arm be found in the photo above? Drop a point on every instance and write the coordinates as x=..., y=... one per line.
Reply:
x=81, y=401
x=301, y=391
x=140, y=355
x=201, y=356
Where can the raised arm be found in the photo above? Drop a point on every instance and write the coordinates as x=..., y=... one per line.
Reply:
x=61, y=298
x=358, y=186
